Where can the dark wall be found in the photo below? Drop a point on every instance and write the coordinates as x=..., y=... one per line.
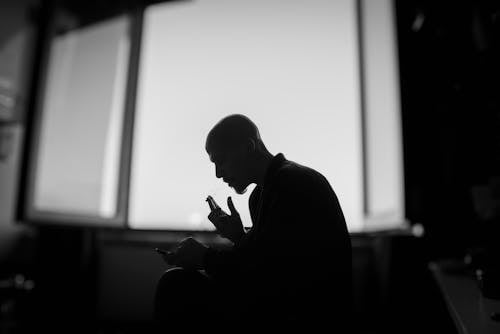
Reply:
x=18, y=31
x=449, y=53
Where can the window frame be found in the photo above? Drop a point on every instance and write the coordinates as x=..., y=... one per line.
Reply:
x=27, y=212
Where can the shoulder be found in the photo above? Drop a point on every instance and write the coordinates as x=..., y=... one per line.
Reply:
x=292, y=174
x=254, y=195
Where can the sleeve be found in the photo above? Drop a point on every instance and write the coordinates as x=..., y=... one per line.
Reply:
x=218, y=261
x=225, y=262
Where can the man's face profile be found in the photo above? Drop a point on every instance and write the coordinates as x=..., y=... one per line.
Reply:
x=230, y=165
x=229, y=145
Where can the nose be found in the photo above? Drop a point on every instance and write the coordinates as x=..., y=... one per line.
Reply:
x=218, y=172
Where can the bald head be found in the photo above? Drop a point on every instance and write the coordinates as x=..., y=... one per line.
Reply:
x=235, y=147
x=231, y=132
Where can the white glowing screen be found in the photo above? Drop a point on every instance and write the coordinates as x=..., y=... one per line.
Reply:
x=291, y=66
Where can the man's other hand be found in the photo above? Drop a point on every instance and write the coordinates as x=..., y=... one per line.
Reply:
x=228, y=226
x=189, y=254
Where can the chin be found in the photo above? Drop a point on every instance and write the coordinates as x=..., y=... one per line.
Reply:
x=240, y=190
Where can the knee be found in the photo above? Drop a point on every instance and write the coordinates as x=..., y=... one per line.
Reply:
x=167, y=291
x=175, y=279
x=172, y=276
x=172, y=284
x=177, y=290
x=181, y=283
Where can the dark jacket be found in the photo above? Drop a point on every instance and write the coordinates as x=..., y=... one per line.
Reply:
x=294, y=263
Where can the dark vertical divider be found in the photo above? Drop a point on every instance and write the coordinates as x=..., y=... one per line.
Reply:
x=362, y=103
x=41, y=17
x=128, y=124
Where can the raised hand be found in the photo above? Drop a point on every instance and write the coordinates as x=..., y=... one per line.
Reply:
x=228, y=226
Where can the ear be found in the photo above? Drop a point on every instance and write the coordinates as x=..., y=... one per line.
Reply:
x=251, y=145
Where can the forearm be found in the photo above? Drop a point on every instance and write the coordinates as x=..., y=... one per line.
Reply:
x=226, y=261
x=216, y=262
x=238, y=238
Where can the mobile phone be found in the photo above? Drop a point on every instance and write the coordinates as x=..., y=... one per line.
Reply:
x=161, y=251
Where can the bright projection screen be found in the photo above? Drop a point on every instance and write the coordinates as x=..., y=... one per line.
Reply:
x=291, y=66
x=318, y=77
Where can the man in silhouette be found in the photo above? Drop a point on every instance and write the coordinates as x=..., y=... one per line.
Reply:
x=291, y=269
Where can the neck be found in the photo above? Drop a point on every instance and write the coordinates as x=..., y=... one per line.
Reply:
x=263, y=160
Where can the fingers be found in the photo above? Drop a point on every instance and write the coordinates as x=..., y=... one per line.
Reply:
x=176, y=257
x=187, y=240
x=212, y=204
x=218, y=218
x=170, y=258
x=214, y=215
x=231, y=207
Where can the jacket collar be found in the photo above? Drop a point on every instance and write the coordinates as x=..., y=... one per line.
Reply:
x=277, y=161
